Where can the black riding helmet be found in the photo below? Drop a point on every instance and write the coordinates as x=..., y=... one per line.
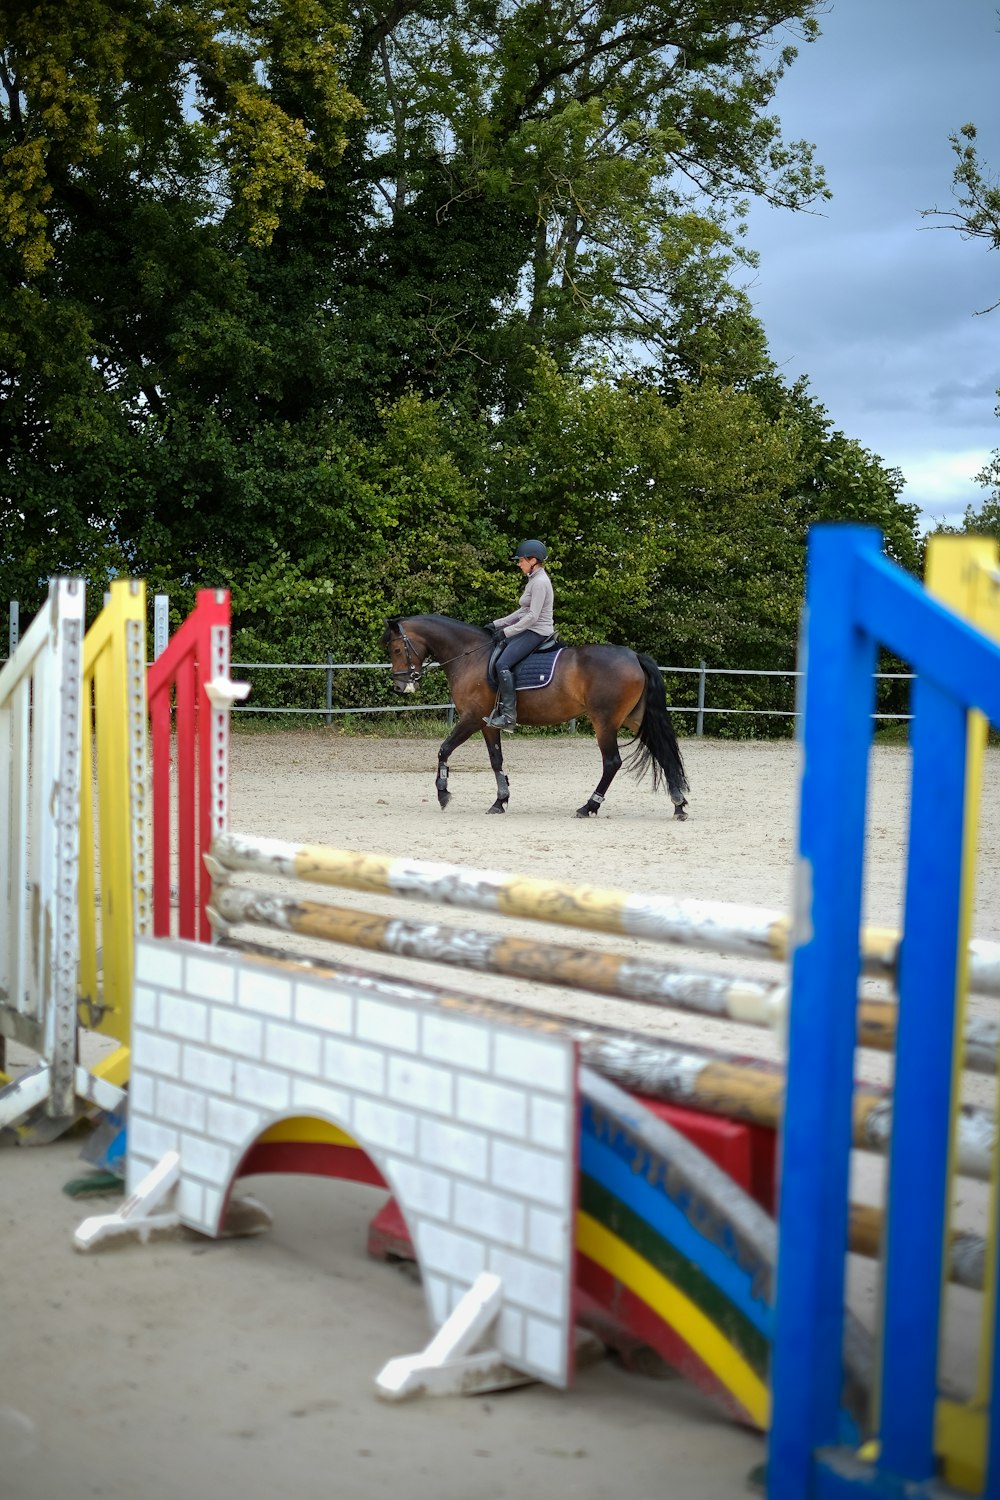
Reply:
x=532, y=548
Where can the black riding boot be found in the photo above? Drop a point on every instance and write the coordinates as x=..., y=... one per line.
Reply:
x=504, y=717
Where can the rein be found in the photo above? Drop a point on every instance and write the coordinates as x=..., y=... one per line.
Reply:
x=471, y=652
x=414, y=668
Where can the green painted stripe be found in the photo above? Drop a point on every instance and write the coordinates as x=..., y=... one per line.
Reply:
x=646, y=1241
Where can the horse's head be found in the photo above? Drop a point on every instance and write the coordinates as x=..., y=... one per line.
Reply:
x=405, y=655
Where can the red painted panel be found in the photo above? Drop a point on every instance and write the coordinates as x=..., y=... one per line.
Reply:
x=388, y=1234
x=745, y=1151
x=184, y=667
x=159, y=712
x=311, y=1158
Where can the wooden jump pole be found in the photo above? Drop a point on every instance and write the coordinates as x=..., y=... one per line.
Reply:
x=739, y=1088
x=751, y=1002
x=744, y=1088
x=722, y=927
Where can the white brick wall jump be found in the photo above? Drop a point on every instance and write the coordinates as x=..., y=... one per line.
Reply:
x=472, y=1122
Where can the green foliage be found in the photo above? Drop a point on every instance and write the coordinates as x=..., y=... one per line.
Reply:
x=976, y=193
x=330, y=305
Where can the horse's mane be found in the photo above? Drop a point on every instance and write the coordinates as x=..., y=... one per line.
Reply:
x=439, y=619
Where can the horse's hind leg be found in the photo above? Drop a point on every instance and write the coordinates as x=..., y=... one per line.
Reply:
x=492, y=738
x=461, y=732
x=607, y=739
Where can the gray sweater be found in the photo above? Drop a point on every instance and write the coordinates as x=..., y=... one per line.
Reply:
x=535, y=608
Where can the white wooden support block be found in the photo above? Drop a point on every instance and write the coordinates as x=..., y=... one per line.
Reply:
x=26, y=1093
x=222, y=691
x=472, y=1375
x=440, y=1368
x=107, y=1096
x=136, y=1214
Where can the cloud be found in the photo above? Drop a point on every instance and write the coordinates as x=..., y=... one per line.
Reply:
x=941, y=482
x=967, y=390
x=874, y=304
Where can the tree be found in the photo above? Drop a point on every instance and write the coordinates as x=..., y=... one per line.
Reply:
x=978, y=195
x=143, y=159
x=976, y=217
x=560, y=165
x=329, y=302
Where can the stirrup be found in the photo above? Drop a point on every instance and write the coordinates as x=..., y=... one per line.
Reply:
x=499, y=720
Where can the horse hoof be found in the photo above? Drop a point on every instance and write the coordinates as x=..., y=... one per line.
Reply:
x=586, y=812
x=444, y=798
x=496, y=808
x=680, y=816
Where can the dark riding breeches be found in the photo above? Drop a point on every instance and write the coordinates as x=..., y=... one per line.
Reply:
x=517, y=648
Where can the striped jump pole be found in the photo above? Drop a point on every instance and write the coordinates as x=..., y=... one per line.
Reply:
x=748, y=1089
x=718, y=1083
x=722, y=927
x=753, y=1002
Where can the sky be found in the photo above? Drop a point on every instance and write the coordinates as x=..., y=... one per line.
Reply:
x=876, y=307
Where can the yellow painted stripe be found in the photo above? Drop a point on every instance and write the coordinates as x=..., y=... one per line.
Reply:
x=307, y=1131
x=590, y=906
x=115, y=1067
x=670, y=1303
x=344, y=867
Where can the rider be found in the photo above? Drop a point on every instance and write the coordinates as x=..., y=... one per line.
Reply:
x=524, y=630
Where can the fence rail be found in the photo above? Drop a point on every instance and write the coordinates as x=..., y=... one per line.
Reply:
x=701, y=709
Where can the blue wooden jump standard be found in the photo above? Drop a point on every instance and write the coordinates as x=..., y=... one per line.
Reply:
x=857, y=600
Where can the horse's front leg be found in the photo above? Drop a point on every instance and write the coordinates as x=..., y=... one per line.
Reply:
x=608, y=742
x=461, y=732
x=492, y=738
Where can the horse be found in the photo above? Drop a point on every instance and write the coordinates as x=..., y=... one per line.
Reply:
x=614, y=686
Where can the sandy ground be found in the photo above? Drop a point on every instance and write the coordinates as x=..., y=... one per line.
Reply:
x=241, y=1368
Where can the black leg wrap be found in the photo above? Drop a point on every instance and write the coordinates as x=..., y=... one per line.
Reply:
x=503, y=794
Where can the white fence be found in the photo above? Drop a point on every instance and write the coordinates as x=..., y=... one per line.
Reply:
x=699, y=710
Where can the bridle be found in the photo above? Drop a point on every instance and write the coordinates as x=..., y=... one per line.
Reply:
x=414, y=669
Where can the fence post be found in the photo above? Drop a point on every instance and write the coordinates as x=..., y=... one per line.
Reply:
x=14, y=629
x=328, y=718
x=451, y=714
x=700, y=723
x=161, y=624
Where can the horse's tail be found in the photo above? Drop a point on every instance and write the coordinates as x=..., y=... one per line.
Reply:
x=656, y=744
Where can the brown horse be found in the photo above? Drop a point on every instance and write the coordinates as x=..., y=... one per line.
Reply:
x=612, y=685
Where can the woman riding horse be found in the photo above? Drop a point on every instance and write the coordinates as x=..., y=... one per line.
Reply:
x=614, y=686
x=524, y=630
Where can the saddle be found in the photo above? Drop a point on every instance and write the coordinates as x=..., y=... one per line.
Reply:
x=534, y=671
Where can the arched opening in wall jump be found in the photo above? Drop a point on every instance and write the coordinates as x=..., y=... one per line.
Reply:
x=312, y=1146
x=315, y=1146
